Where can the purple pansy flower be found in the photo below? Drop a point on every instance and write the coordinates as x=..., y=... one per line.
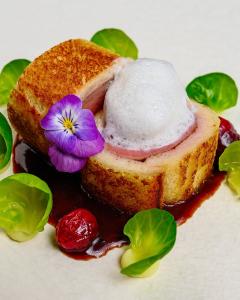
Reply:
x=64, y=162
x=73, y=134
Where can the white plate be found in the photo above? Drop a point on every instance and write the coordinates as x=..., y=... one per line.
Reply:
x=197, y=38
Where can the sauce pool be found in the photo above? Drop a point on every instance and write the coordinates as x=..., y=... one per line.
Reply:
x=68, y=195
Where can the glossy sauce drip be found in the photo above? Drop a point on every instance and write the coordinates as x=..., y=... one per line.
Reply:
x=185, y=210
x=68, y=195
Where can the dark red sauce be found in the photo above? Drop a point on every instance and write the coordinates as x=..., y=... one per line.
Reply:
x=185, y=210
x=68, y=195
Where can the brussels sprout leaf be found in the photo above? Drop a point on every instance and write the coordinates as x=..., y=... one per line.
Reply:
x=216, y=90
x=6, y=142
x=229, y=161
x=25, y=205
x=117, y=41
x=9, y=77
x=152, y=234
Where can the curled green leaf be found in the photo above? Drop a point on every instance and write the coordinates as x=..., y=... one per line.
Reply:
x=216, y=90
x=9, y=77
x=6, y=141
x=152, y=235
x=229, y=161
x=230, y=158
x=25, y=205
x=233, y=180
x=117, y=41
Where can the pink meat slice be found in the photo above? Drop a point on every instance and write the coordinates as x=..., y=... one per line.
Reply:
x=93, y=92
x=143, y=154
x=94, y=101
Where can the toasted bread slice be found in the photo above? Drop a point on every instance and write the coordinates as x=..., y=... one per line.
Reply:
x=166, y=178
x=72, y=67
x=85, y=69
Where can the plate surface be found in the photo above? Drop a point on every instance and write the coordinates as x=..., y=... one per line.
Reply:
x=197, y=38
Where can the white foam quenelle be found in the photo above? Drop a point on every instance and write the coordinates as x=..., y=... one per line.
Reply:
x=146, y=106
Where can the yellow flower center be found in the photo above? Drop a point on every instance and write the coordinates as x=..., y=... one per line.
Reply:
x=68, y=124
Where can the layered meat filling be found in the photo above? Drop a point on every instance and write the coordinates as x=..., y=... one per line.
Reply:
x=146, y=110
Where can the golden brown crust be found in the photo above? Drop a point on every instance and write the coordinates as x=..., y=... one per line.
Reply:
x=123, y=190
x=131, y=192
x=30, y=130
x=163, y=179
x=65, y=69
x=184, y=178
x=127, y=185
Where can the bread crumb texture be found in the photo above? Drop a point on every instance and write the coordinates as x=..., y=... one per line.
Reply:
x=62, y=70
x=167, y=178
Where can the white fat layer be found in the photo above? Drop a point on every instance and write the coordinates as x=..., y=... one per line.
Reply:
x=146, y=106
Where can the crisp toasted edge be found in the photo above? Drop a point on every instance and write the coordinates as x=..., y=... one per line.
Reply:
x=161, y=179
x=30, y=101
x=64, y=69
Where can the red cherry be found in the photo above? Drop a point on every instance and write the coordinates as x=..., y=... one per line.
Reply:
x=227, y=135
x=77, y=230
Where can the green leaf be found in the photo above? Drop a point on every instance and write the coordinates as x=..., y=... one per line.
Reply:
x=229, y=161
x=25, y=205
x=230, y=158
x=6, y=141
x=117, y=41
x=152, y=234
x=216, y=90
x=9, y=77
x=233, y=181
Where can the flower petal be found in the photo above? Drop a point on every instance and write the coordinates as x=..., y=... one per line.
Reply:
x=71, y=100
x=69, y=105
x=88, y=148
x=65, y=162
x=61, y=139
x=86, y=126
x=52, y=121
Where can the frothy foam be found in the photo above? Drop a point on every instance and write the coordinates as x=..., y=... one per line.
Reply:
x=146, y=106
